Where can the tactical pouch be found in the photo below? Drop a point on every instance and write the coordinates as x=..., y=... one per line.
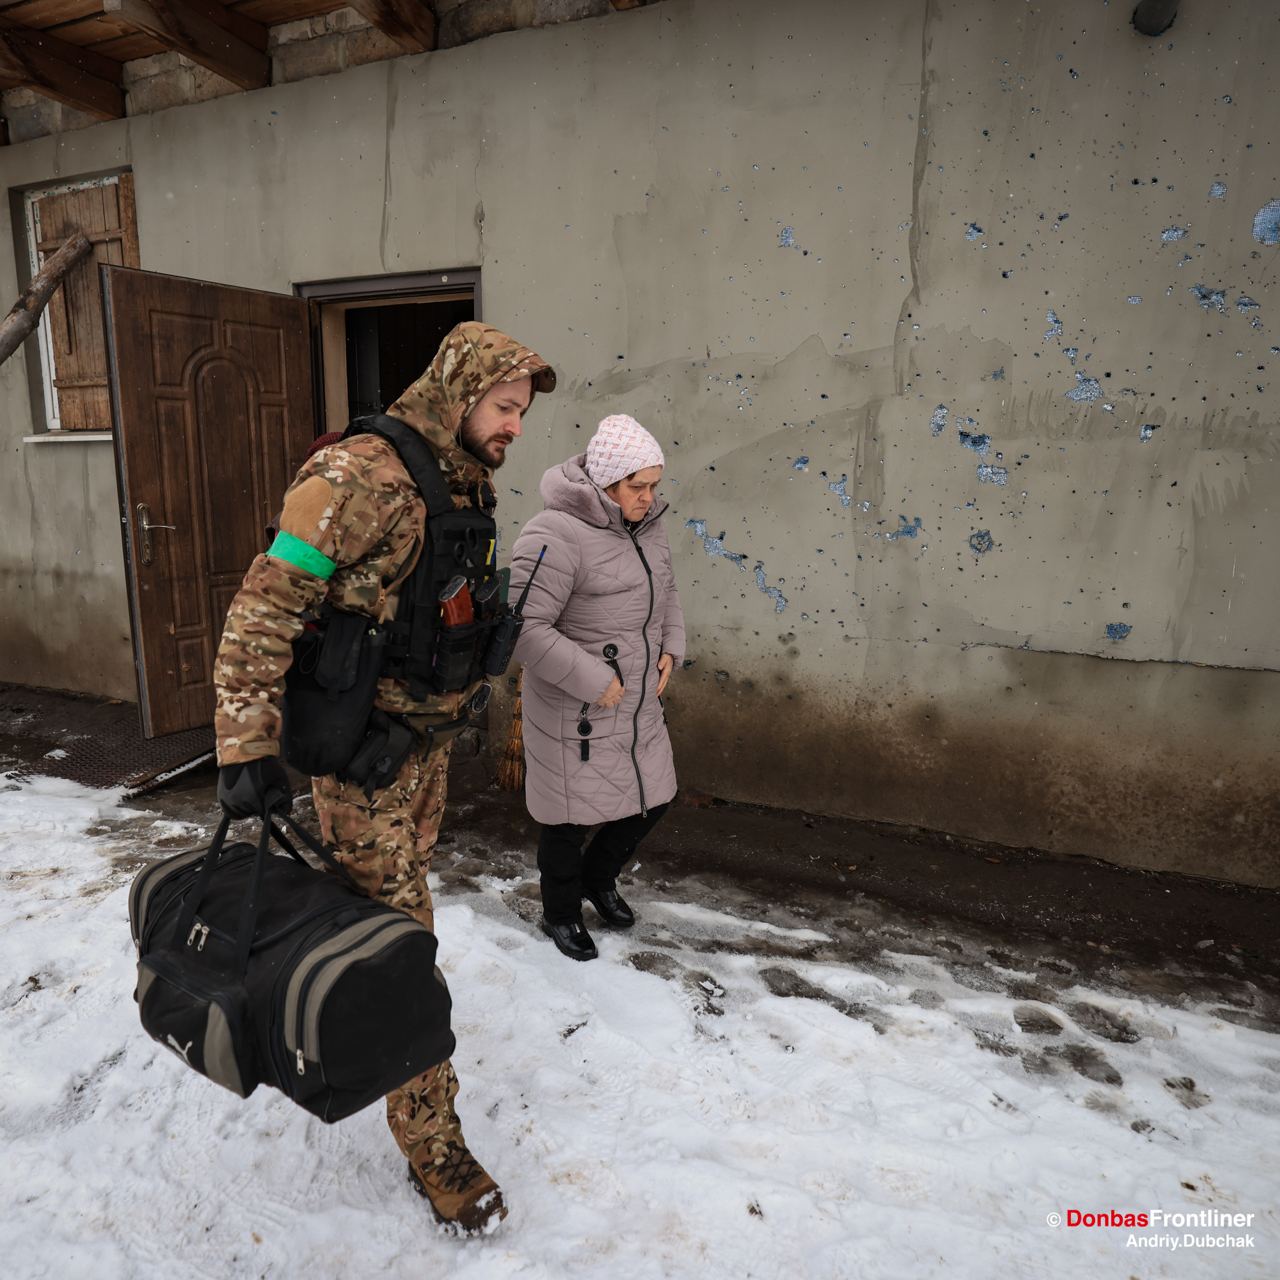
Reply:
x=329, y=691
x=456, y=656
x=385, y=747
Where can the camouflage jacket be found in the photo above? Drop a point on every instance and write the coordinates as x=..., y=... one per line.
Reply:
x=351, y=530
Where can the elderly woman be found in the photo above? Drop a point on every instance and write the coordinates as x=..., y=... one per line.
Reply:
x=603, y=631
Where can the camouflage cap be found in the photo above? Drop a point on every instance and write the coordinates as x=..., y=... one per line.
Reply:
x=472, y=358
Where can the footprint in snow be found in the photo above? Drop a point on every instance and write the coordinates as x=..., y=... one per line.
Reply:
x=1184, y=1089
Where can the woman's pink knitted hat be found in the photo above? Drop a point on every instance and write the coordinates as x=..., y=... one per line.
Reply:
x=621, y=447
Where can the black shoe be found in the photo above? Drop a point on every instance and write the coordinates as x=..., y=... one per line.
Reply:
x=571, y=939
x=610, y=907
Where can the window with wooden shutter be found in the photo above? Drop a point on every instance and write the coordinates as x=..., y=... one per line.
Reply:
x=73, y=348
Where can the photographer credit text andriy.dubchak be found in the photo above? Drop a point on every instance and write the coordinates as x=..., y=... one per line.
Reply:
x=1163, y=1218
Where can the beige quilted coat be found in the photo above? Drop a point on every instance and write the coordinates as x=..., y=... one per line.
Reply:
x=603, y=594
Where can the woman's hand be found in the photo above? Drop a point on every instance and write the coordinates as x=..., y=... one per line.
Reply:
x=665, y=665
x=612, y=695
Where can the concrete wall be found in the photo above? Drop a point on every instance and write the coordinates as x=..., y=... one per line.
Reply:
x=787, y=238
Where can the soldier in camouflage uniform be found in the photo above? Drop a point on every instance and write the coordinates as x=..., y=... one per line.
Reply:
x=351, y=530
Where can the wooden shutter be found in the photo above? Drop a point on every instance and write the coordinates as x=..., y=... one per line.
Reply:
x=78, y=339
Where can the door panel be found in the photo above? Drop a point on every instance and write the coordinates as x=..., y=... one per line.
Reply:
x=211, y=396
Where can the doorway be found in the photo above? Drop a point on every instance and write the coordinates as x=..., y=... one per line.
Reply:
x=375, y=337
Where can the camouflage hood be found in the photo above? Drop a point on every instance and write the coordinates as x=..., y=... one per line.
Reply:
x=472, y=358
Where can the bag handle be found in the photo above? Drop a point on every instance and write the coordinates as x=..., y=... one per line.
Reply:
x=186, y=917
x=249, y=907
x=311, y=842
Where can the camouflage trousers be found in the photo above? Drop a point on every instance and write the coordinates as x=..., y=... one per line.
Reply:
x=386, y=846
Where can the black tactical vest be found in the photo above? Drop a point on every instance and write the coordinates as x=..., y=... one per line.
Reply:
x=421, y=648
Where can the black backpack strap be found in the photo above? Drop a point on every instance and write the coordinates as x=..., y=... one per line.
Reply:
x=416, y=454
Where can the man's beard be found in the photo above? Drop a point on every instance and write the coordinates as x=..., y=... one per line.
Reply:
x=485, y=452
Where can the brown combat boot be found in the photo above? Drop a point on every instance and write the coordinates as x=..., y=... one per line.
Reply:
x=460, y=1193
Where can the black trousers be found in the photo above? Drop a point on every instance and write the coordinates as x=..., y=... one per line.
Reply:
x=566, y=870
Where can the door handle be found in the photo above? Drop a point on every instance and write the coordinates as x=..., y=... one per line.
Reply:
x=145, y=525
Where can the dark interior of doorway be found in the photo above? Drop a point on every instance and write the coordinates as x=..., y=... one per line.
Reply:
x=389, y=347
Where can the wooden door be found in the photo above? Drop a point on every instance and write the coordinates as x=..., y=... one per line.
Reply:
x=211, y=398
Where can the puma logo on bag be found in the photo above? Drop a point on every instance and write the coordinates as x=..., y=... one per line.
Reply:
x=179, y=1050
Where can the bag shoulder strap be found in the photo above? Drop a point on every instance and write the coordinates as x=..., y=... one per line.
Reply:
x=417, y=455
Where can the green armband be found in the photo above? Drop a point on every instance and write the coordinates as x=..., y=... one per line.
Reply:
x=296, y=552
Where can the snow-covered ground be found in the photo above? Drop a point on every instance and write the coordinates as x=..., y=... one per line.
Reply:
x=705, y=1100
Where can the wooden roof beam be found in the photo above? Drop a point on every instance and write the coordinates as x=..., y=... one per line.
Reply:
x=77, y=77
x=410, y=23
x=227, y=43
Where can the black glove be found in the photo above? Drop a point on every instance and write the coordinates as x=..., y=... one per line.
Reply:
x=249, y=790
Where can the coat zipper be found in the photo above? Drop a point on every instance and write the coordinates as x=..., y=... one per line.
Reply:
x=644, y=683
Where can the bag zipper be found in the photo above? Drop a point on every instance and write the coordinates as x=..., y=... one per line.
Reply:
x=284, y=931
x=155, y=910
x=277, y=1046
x=324, y=973
x=280, y=1046
x=143, y=888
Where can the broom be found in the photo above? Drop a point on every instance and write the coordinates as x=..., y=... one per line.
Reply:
x=511, y=766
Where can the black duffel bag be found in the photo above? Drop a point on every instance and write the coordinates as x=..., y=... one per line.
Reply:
x=255, y=968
